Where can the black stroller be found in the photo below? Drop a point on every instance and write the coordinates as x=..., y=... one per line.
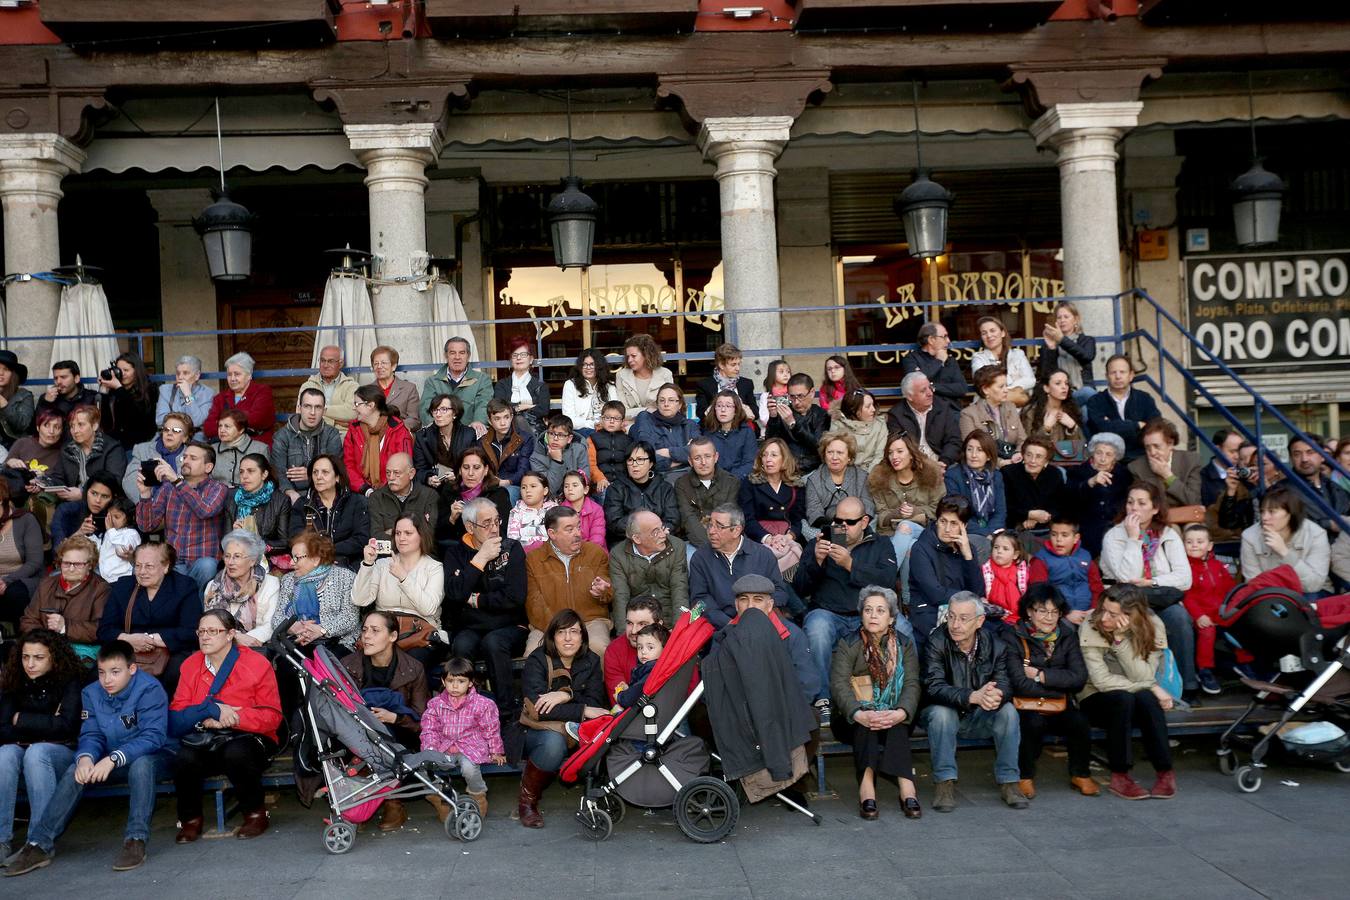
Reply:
x=1282, y=631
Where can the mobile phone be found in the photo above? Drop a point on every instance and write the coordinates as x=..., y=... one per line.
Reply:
x=384, y=548
x=148, y=467
x=838, y=534
x=781, y=401
x=100, y=521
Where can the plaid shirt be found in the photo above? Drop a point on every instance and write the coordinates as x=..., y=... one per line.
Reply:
x=473, y=729
x=190, y=517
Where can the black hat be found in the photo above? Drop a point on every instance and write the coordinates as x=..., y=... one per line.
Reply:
x=11, y=362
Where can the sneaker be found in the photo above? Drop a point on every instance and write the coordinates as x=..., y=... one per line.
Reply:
x=1125, y=787
x=573, y=730
x=944, y=795
x=1208, y=683
x=131, y=857
x=1012, y=795
x=823, y=712
x=29, y=857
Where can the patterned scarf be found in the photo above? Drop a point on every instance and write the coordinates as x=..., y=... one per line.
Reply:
x=240, y=598
x=245, y=502
x=724, y=383
x=305, y=603
x=1151, y=542
x=981, y=491
x=886, y=669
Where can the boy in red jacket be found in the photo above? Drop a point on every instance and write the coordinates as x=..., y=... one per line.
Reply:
x=1210, y=583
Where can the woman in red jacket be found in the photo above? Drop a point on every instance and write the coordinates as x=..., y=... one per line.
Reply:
x=253, y=400
x=226, y=711
x=374, y=436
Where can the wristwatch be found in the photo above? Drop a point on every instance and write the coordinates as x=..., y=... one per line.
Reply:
x=1154, y=582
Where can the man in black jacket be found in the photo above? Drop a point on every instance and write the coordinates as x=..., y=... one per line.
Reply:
x=836, y=566
x=1120, y=409
x=933, y=358
x=702, y=489
x=967, y=693
x=933, y=426
x=801, y=423
x=941, y=563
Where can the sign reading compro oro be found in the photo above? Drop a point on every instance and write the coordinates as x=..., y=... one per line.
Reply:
x=1267, y=311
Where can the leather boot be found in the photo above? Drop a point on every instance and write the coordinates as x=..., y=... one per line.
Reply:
x=442, y=808
x=481, y=800
x=1084, y=785
x=189, y=831
x=533, y=782
x=392, y=815
x=1028, y=788
x=1165, y=788
x=255, y=823
x=1124, y=787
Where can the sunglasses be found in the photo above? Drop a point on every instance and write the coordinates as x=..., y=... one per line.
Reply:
x=847, y=522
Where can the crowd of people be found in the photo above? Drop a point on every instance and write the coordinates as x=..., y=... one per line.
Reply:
x=1000, y=555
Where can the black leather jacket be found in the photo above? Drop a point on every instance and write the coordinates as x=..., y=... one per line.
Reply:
x=949, y=676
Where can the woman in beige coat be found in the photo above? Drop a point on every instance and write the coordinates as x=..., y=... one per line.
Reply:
x=411, y=582
x=993, y=413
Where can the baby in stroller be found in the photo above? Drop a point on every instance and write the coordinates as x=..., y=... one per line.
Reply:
x=651, y=640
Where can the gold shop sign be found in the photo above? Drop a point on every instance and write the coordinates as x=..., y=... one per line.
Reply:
x=623, y=300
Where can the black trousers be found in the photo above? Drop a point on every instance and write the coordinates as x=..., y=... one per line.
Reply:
x=886, y=753
x=1118, y=713
x=242, y=760
x=497, y=648
x=13, y=602
x=1071, y=724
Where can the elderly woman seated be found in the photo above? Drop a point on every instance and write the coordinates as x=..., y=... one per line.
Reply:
x=394, y=686
x=225, y=712
x=874, y=686
x=244, y=589
x=155, y=610
x=318, y=595
x=71, y=600
x=410, y=584
x=1098, y=486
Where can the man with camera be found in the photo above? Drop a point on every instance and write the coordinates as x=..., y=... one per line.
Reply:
x=187, y=504
x=800, y=422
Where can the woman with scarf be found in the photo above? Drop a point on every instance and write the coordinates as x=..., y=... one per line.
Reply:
x=992, y=413
x=978, y=479
x=226, y=711
x=725, y=423
x=394, y=686
x=1048, y=665
x=330, y=508
x=88, y=451
x=233, y=445
x=858, y=416
x=667, y=429
x=374, y=436
x=318, y=595
x=21, y=563
x=436, y=448
x=258, y=505
x=167, y=446
x=726, y=376
x=244, y=589
x=837, y=383
x=476, y=478
x=874, y=686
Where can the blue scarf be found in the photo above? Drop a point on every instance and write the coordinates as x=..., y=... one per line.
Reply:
x=305, y=603
x=981, y=491
x=245, y=502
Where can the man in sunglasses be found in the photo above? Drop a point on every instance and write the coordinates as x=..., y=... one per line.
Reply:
x=167, y=446
x=846, y=558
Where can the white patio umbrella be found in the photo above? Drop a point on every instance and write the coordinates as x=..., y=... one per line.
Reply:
x=84, y=310
x=447, y=312
x=346, y=302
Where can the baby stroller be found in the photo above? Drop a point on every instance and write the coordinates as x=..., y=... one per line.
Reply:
x=1269, y=618
x=361, y=763
x=642, y=757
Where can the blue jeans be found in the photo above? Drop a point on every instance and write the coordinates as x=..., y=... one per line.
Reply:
x=199, y=570
x=824, y=629
x=944, y=726
x=1181, y=638
x=546, y=749
x=903, y=543
x=40, y=765
x=141, y=776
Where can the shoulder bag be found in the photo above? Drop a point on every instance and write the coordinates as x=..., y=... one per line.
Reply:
x=529, y=716
x=413, y=631
x=154, y=661
x=1046, y=706
x=210, y=739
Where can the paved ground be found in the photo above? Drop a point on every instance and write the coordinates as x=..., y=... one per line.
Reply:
x=1212, y=841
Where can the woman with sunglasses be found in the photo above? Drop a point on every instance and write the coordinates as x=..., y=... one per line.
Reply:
x=167, y=446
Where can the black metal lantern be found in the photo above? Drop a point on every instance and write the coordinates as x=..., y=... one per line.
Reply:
x=1258, y=195
x=226, y=229
x=923, y=206
x=572, y=215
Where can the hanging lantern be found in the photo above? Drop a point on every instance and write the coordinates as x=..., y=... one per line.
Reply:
x=226, y=229
x=923, y=208
x=1257, y=199
x=571, y=219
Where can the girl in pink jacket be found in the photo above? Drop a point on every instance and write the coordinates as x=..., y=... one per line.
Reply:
x=465, y=726
x=575, y=488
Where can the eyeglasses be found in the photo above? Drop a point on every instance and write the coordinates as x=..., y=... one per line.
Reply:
x=611, y=418
x=639, y=459
x=236, y=557
x=847, y=522
x=211, y=632
x=330, y=360
x=443, y=409
x=792, y=396
x=171, y=429
x=1049, y=612
x=714, y=525
x=963, y=620
x=360, y=402
x=560, y=435
x=574, y=631
x=299, y=556
x=520, y=354
x=72, y=564
x=487, y=523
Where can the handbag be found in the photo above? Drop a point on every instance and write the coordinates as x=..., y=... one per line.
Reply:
x=1169, y=674
x=1160, y=598
x=1185, y=515
x=209, y=739
x=1046, y=706
x=862, y=688
x=413, y=631
x=529, y=716
x=156, y=660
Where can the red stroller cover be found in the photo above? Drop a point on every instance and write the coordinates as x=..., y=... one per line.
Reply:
x=1234, y=605
x=692, y=633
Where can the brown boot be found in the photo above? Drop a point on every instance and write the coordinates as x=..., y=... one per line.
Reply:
x=1028, y=788
x=189, y=831
x=255, y=823
x=392, y=815
x=481, y=800
x=442, y=808
x=533, y=783
x=1085, y=786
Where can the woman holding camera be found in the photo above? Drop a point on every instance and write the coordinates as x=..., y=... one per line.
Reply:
x=127, y=405
x=410, y=583
x=993, y=413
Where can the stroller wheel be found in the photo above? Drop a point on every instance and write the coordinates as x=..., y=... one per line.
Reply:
x=466, y=804
x=595, y=823
x=339, y=837
x=706, y=809
x=1249, y=780
x=613, y=804
x=466, y=825
x=1342, y=765
x=1227, y=762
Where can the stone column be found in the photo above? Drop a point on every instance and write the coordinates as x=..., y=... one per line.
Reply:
x=744, y=149
x=187, y=294
x=396, y=158
x=1084, y=136
x=31, y=169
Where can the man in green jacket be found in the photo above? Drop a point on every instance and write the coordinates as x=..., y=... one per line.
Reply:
x=650, y=561
x=472, y=386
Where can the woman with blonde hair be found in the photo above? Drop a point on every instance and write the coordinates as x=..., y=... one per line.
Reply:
x=774, y=503
x=640, y=378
